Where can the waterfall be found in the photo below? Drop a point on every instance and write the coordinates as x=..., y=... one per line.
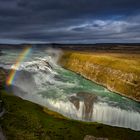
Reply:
x=41, y=80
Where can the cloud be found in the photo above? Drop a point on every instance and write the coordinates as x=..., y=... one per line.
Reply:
x=72, y=21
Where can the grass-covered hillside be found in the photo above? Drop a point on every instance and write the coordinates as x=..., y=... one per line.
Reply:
x=24, y=120
x=118, y=72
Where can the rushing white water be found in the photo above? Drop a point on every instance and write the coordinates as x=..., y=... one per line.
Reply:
x=41, y=80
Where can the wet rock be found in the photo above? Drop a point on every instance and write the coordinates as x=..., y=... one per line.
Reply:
x=2, y=136
x=88, y=99
x=47, y=64
x=75, y=101
x=87, y=96
x=89, y=137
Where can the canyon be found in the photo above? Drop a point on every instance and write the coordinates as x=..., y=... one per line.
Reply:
x=119, y=72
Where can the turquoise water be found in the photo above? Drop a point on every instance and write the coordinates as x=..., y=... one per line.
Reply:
x=54, y=87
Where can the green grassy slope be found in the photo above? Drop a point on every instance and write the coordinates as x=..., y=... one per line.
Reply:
x=24, y=120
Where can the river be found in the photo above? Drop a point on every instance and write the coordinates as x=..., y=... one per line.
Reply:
x=40, y=79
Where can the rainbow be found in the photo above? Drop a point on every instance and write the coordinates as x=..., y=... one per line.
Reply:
x=20, y=59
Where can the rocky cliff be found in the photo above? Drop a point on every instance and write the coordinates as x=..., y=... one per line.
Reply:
x=118, y=72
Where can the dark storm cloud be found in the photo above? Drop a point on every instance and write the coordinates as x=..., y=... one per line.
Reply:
x=85, y=21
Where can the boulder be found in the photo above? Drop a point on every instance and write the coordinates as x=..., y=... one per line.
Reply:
x=89, y=137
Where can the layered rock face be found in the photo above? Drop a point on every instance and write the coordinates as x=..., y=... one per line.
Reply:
x=119, y=73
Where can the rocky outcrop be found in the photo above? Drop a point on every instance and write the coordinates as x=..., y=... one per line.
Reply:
x=75, y=101
x=2, y=136
x=89, y=137
x=88, y=99
x=116, y=75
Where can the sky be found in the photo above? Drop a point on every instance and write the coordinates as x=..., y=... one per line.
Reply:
x=69, y=21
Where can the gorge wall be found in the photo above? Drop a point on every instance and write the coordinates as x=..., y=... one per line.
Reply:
x=118, y=72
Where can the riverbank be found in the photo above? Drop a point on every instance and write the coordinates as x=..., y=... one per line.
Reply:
x=119, y=72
